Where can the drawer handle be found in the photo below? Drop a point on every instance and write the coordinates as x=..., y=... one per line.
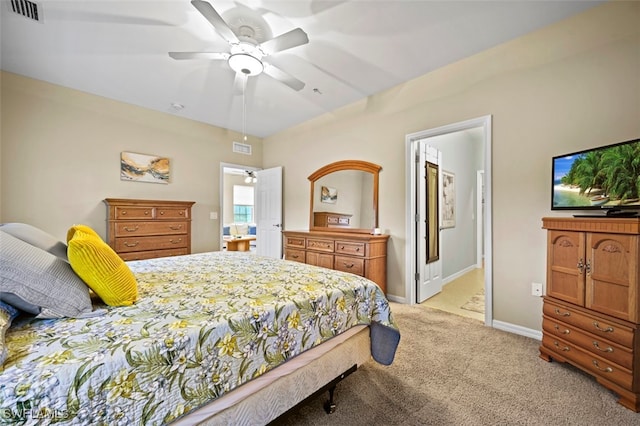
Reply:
x=566, y=331
x=580, y=265
x=562, y=314
x=294, y=256
x=161, y=212
x=131, y=244
x=175, y=228
x=607, y=349
x=146, y=212
x=180, y=212
x=178, y=241
x=123, y=212
x=348, y=265
x=604, y=330
x=126, y=228
x=557, y=345
x=606, y=370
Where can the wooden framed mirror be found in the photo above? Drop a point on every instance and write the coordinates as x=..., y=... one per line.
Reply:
x=344, y=197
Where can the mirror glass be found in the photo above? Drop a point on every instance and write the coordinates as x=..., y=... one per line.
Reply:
x=344, y=197
x=433, y=244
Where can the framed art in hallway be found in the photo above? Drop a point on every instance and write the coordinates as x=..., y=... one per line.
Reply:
x=448, y=200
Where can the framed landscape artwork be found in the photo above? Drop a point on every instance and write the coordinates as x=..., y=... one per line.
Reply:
x=144, y=168
x=448, y=200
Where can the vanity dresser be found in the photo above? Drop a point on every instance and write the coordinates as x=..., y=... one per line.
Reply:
x=591, y=313
x=146, y=229
x=343, y=241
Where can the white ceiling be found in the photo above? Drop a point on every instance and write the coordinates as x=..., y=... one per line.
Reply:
x=118, y=49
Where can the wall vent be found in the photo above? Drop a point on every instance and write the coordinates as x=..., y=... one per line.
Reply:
x=242, y=148
x=26, y=8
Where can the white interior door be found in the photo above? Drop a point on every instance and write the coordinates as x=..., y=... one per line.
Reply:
x=429, y=279
x=269, y=212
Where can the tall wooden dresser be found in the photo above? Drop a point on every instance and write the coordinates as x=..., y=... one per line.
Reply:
x=146, y=229
x=360, y=254
x=591, y=313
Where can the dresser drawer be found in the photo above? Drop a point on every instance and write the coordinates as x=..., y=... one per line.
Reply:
x=126, y=229
x=594, y=364
x=596, y=325
x=170, y=213
x=350, y=248
x=130, y=244
x=608, y=350
x=132, y=212
x=320, y=245
x=294, y=242
x=293, y=254
x=349, y=264
x=142, y=255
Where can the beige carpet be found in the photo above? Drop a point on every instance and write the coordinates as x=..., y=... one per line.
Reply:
x=451, y=370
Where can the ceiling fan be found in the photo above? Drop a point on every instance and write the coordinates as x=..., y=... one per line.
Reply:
x=246, y=55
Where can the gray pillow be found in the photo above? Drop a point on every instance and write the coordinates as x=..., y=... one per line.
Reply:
x=36, y=237
x=38, y=282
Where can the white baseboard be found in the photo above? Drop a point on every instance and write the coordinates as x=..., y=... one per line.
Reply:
x=458, y=274
x=396, y=299
x=516, y=329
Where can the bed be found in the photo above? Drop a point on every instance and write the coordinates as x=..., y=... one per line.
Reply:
x=213, y=338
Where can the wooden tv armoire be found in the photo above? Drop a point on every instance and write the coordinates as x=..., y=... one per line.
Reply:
x=591, y=311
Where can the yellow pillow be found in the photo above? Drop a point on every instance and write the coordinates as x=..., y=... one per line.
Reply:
x=102, y=269
x=83, y=228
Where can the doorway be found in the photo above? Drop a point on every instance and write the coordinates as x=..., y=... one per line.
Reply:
x=237, y=217
x=466, y=211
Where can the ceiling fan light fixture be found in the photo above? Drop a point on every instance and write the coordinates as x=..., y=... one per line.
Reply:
x=245, y=64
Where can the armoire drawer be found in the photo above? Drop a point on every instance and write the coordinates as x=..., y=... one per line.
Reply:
x=593, y=363
x=610, y=351
x=127, y=229
x=130, y=244
x=349, y=264
x=599, y=326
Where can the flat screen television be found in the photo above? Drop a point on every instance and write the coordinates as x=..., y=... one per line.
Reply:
x=605, y=178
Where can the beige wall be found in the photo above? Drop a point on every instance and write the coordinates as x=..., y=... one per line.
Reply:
x=61, y=154
x=571, y=86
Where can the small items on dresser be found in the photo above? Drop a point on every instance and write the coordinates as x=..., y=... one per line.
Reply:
x=146, y=229
x=591, y=313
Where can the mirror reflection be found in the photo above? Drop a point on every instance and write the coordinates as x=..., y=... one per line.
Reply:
x=344, y=199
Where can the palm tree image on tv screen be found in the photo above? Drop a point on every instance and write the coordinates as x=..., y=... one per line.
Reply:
x=605, y=177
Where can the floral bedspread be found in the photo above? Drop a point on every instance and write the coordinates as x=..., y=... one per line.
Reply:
x=204, y=324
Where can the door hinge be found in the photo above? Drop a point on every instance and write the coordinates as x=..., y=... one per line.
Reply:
x=417, y=218
x=418, y=276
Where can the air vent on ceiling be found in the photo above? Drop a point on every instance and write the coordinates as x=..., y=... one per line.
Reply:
x=26, y=8
x=242, y=148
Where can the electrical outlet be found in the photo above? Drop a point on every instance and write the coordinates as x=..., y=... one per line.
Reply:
x=536, y=289
x=213, y=215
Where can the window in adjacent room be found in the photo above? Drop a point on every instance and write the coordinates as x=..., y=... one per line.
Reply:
x=243, y=204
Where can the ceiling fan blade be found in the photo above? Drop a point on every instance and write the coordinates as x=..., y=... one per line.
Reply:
x=283, y=77
x=216, y=20
x=200, y=55
x=293, y=38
